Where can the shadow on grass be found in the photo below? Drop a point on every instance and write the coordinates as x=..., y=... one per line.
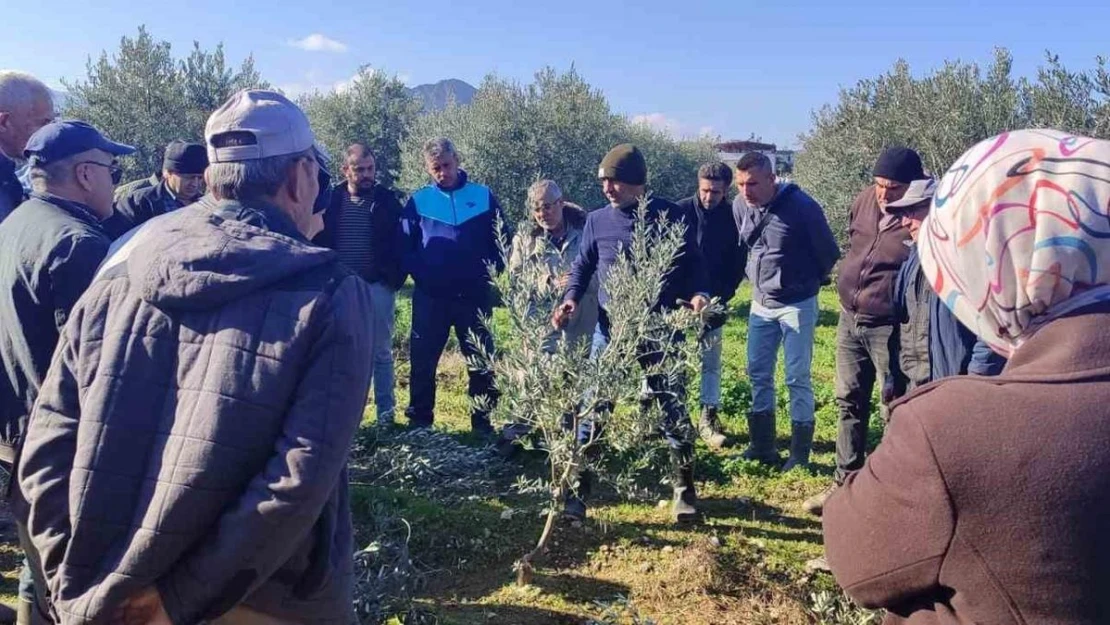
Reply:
x=499, y=614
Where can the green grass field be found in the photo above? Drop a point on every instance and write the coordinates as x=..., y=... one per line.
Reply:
x=745, y=563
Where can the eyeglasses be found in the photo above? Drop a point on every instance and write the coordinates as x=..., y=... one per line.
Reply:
x=113, y=168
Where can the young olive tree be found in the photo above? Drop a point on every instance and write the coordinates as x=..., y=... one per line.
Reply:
x=556, y=390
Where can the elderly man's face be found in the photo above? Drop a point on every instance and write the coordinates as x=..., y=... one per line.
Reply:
x=360, y=173
x=17, y=126
x=187, y=187
x=549, y=215
x=93, y=175
x=711, y=192
x=887, y=190
x=444, y=169
x=913, y=216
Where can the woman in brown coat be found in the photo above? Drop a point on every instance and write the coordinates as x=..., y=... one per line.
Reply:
x=988, y=500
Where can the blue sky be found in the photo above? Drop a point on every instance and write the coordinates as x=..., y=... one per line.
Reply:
x=732, y=68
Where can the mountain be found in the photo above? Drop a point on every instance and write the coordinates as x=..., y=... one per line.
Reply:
x=436, y=96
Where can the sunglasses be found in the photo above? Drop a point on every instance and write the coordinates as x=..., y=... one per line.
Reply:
x=113, y=167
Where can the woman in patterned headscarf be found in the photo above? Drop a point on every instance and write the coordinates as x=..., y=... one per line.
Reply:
x=989, y=499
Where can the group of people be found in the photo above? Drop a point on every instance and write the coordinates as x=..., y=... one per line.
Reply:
x=187, y=359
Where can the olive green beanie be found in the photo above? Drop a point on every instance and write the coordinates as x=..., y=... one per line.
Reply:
x=624, y=163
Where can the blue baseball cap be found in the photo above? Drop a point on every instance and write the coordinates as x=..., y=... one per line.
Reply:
x=61, y=139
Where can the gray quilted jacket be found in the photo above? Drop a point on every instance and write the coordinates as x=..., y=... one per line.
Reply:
x=193, y=429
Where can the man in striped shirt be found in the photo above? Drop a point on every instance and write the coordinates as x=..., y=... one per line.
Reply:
x=362, y=225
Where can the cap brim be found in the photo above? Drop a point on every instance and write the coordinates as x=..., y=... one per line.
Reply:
x=116, y=149
x=904, y=204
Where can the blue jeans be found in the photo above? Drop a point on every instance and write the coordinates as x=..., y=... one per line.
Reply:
x=711, y=367
x=384, y=301
x=792, y=326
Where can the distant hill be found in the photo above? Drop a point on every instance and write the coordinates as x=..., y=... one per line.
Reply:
x=436, y=96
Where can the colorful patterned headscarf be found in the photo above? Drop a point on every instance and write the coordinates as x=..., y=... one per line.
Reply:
x=1019, y=233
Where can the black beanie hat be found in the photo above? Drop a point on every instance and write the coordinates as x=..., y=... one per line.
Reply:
x=624, y=163
x=900, y=165
x=185, y=158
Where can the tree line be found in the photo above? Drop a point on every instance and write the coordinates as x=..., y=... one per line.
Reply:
x=559, y=126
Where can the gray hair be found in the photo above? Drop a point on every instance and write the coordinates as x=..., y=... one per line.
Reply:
x=440, y=146
x=19, y=91
x=543, y=191
x=250, y=180
x=46, y=175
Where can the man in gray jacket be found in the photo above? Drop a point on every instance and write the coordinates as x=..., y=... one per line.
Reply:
x=186, y=458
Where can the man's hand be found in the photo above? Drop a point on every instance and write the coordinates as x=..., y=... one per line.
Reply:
x=143, y=608
x=562, y=314
x=699, y=303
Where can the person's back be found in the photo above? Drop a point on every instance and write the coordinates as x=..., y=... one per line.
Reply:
x=1012, y=520
x=190, y=355
x=187, y=452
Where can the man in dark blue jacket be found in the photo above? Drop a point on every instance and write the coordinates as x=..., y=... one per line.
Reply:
x=449, y=231
x=791, y=251
x=361, y=226
x=608, y=231
x=719, y=241
x=50, y=247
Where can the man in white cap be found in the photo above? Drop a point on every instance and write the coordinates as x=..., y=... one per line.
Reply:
x=186, y=460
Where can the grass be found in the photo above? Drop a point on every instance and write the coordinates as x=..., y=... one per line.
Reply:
x=745, y=563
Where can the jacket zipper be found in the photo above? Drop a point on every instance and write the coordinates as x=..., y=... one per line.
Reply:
x=865, y=264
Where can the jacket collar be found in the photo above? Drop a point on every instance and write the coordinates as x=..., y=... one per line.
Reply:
x=77, y=209
x=256, y=213
x=460, y=183
x=1067, y=347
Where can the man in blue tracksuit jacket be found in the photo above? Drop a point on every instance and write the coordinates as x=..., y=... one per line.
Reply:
x=449, y=239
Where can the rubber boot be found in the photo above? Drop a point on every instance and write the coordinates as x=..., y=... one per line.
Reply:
x=574, y=508
x=709, y=428
x=761, y=429
x=684, y=507
x=801, y=442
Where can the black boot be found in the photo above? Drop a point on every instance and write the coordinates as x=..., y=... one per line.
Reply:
x=574, y=508
x=801, y=441
x=709, y=428
x=761, y=430
x=684, y=507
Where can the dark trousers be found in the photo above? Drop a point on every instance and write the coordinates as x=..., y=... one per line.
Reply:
x=432, y=321
x=675, y=427
x=863, y=354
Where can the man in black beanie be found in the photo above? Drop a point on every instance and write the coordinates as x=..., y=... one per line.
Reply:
x=623, y=176
x=867, y=334
x=182, y=184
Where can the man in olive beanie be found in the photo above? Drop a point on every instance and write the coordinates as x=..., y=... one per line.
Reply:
x=624, y=163
x=623, y=176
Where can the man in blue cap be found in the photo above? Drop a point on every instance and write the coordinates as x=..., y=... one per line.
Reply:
x=50, y=247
